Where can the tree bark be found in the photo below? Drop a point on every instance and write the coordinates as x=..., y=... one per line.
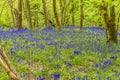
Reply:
x=56, y=15
x=73, y=17
x=18, y=13
x=8, y=68
x=111, y=29
x=82, y=14
x=28, y=14
x=12, y=12
x=45, y=13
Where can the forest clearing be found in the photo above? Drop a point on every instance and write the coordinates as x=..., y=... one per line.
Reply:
x=59, y=40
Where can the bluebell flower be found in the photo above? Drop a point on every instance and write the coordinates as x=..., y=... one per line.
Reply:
x=104, y=67
x=57, y=66
x=49, y=60
x=76, y=52
x=50, y=44
x=69, y=64
x=48, y=29
x=40, y=78
x=96, y=65
x=19, y=60
x=56, y=76
x=78, y=78
x=113, y=57
x=108, y=62
x=73, y=78
x=100, y=51
x=12, y=51
x=99, y=77
x=42, y=46
x=27, y=47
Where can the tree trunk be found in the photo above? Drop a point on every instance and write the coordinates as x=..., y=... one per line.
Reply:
x=19, y=15
x=12, y=12
x=61, y=11
x=56, y=15
x=73, y=18
x=82, y=14
x=111, y=29
x=28, y=14
x=45, y=13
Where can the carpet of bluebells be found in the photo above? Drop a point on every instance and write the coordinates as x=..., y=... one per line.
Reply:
x=66, y=54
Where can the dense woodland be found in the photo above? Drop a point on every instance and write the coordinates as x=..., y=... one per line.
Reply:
x=86, y=23
x=57, y=13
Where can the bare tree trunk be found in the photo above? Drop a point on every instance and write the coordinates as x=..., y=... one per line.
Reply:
x=73, y=18
x=18, y=13
x=45, y=13
x=28, y=14
x=118, y=21
x=61, y=11
x=62, y=7
x=82, y=14
x=12, y=12
x=111, y=30
x=56, y=15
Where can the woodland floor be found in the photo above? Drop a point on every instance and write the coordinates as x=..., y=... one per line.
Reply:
x=66, y=54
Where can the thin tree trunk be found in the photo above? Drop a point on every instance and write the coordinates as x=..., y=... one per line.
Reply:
x=29, y=21
x=56, y=15
x=61, y=11
x=45, y=13
x=12, y=12
x=82, y=14
x=19, y=15
x=118, y=21
x=73, y=17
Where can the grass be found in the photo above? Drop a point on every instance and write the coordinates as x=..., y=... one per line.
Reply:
x=66, y=54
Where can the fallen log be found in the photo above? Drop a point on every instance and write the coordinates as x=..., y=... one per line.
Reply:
x=8, y=66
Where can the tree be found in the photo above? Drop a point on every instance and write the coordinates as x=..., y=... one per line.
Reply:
x=108, y=14
x=18, y=14
x=11, y=3
x=29, y=21
x=72, y=10
x=56, y=15
x=81, y=15
x=45, y=13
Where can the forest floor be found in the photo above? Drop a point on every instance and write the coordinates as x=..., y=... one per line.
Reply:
x=66, y=54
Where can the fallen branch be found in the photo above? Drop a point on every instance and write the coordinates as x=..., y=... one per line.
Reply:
x=8, y=68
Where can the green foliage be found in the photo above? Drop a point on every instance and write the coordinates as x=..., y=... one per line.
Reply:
x=91, y=12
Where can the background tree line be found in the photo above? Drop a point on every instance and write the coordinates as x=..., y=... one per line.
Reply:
x=57, y=13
